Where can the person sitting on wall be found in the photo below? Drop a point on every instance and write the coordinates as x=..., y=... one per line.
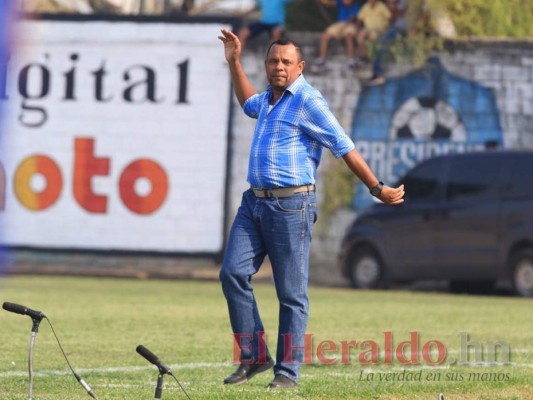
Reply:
x=397, y=28
x=344, y=28
x=272, y=21
x=373, y=19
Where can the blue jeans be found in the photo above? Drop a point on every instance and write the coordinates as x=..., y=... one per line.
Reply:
x=281, y=228
x=383, y=43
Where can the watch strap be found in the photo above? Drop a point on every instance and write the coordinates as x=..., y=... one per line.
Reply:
x=376, y=190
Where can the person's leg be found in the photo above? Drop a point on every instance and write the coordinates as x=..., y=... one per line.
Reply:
x=277, y=33
x=287, y=225
x=361, y=45
x=382, y=46
x=244, y=255
x=350, y=48
x=323, y=48
x=349, y=34
x=243, y=34
x=332, y=32
x=252, y=30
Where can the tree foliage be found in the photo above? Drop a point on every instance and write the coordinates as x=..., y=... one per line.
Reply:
x=471, y=18
x=494, y=18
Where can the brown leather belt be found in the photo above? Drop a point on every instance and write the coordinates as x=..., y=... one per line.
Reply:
x=282, y=192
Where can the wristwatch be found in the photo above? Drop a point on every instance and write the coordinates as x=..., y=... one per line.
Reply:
x=376, y=190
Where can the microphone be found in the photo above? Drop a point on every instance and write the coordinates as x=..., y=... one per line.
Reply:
x=22, y=310
x=152, y=358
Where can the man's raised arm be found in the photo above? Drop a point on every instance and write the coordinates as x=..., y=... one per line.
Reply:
x=232, y=50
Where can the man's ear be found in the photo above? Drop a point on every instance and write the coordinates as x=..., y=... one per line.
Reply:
x=301, y=64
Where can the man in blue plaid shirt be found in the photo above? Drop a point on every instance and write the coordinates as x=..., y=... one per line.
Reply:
x=277, y=213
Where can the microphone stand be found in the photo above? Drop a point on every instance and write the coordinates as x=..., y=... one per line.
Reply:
x=34, y=330
x=159, y=387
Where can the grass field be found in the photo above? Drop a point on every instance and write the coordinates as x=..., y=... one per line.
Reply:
x=101, y=321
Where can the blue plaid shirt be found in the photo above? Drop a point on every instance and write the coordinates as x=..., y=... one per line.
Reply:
x=288, y=139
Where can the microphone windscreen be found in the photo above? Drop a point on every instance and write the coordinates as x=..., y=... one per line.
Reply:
x=151, y=357
x=16, y=308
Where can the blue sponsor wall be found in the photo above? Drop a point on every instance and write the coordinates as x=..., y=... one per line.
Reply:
x=425, y=113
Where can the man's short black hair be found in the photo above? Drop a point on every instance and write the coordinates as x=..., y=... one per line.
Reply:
x=286, y=42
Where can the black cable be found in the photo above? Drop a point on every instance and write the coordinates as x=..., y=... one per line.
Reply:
x=182, y=388
x=78, y=378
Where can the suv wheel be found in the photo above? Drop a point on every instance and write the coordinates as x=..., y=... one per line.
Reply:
x=365, y=268
x=522, y=267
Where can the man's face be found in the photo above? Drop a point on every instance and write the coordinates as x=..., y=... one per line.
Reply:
x=283, y=66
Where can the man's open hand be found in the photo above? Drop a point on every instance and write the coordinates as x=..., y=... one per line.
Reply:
x=232, y=45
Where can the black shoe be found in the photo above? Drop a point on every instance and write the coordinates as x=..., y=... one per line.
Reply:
x=245, y=372
x=282, y=382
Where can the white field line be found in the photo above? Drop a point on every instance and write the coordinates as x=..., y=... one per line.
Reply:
x=174, y=367
x=177, y=367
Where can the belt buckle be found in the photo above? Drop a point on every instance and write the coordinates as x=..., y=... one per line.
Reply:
x=263, y=193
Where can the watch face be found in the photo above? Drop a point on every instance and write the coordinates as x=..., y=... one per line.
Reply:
x=376, y=190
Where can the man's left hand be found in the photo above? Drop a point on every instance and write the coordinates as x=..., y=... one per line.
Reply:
x=391, y=195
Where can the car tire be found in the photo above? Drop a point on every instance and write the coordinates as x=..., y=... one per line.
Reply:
x=522, y=272
x=366, y=269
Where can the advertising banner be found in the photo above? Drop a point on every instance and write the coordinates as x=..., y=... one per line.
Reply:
x=116, y=136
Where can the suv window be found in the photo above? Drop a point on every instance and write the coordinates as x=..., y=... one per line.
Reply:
x=472, y=178
x=518, y=177
x=422, y=183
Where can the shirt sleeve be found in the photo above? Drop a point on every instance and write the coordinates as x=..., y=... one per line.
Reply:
x=252, y=105
x=320, y=123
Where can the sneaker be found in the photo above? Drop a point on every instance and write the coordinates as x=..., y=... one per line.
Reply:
x=376, y=80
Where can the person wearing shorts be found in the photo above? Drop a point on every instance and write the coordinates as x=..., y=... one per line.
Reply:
x=272, y=21
x=343, y=29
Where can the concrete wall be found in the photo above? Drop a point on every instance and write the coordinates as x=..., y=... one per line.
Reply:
x=504, y=66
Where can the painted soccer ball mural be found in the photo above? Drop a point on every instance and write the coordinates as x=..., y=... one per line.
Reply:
x=427, y=118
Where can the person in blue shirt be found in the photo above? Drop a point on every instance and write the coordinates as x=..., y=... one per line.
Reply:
x=277, y=212
x=343, y=29
x=272, y=21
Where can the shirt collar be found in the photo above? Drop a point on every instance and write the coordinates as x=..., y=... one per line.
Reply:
x=297, y=84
